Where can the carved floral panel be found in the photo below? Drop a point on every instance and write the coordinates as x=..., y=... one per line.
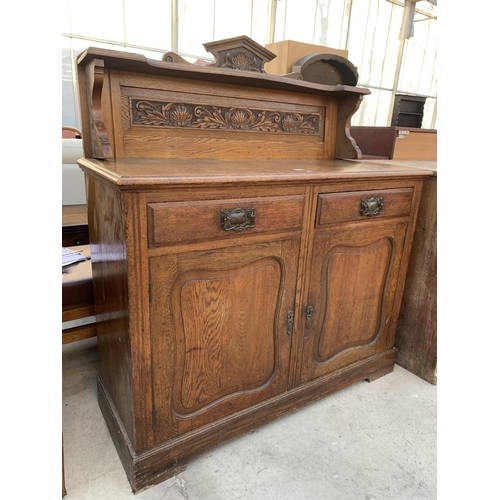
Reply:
x=205, y=117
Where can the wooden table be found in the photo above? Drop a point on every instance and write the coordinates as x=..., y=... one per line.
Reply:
x=75, y=229
x=78, y=298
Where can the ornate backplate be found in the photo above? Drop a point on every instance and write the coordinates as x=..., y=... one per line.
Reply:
x=371, y=206
x=237, y=219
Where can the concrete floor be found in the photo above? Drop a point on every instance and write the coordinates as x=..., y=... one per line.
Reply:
x=367, y=442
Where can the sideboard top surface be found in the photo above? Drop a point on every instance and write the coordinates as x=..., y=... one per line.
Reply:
x=138, y=63
x=147, y=172
x=418, y=164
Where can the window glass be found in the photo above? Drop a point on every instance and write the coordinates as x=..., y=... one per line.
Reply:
x=65, y=19
x=384, y=110
x=391, y=42
x=97, y=19
x=429, y=110
x=148, y=23
x=279, y=21
x=418, y=69
x=78, y=45
x=150, y=54
x=196, y=26
x=300, y=19
x=231, y=22
x=377, y=44
x=261, y=21
x=367, y=111
x=68, y=94
x=329, y=24
x=356, y=34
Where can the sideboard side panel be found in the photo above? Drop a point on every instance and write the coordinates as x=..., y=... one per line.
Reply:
x=110, y=275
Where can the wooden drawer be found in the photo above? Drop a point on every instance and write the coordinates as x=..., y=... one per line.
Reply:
x=195, y=221
x=361, y=205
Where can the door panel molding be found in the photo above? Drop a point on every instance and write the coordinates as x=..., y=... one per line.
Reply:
x=216, y=355
x=352, y=309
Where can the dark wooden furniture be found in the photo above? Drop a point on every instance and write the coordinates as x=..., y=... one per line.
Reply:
x=78, y=298
x=416, y=337
x=240, y=269
x=408, y=111
x=75, y=229
x=396, y=143
x=330, y=69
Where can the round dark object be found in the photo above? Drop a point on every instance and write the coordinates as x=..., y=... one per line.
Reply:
x=328, y=69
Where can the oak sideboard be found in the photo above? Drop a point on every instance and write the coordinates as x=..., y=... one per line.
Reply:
x=244, y=261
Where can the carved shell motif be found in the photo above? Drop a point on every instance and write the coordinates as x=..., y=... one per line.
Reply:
x=290, y=123
x=239, y=119
x=240, y=61
x=180, y=116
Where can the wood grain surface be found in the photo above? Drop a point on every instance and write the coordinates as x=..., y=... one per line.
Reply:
x=235, y=278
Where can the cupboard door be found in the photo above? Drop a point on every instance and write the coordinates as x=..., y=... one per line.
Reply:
x=219, y=333
x=354, y=273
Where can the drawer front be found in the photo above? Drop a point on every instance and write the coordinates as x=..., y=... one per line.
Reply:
x=361, y=205
x=195, y=221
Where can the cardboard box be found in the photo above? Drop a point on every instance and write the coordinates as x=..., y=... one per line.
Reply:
x=289, y=52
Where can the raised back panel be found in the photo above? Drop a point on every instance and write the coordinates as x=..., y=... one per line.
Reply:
x=173, y=118
x=133, y=107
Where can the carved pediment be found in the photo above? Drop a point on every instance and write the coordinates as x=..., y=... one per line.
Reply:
x=240, y=53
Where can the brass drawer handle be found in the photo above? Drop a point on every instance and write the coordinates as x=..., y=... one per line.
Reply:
x=371, y=206
x=237, y=218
